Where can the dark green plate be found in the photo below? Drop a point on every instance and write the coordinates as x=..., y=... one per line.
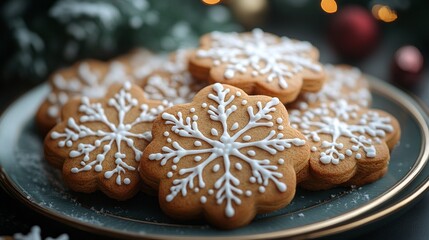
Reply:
x=26, y=176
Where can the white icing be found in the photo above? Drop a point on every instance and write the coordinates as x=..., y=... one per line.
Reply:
x=238, y=166
x=87, y=82
x=144, y=63
x=341, y=83
x=83, y=130
x=177, y=85
x=277, y=60
x=332, y=122
x=223, y=147
x=203, y=199
x=35, y=234
x=281, y=161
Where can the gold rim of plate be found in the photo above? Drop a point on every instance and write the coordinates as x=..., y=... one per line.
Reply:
x=328, y=227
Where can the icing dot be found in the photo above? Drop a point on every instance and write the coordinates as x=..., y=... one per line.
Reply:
x=251, y=153
x=238, y=94
x=196, y=189
x=127, y=181
x=247, y=138
x=313, y=149
x=355, y=148
x=280, y=127
x=169, y=140
x=211, y=192
x=281, y=161
x=195, y=117
x=169, y=174
x=349, y=152
x=204, y=105
x=214, y=132
x=197, y=158
x=192, y=110
x=197, y=144
x=252, y=179
x=261, y=189
x=98, y=168
x=234, y=126
x=238, y=166
x=74, y=170
x=244, y=102
x=358, y=156
x=216, y=168
x=203, y=199
x=248, y=193
x=229, y=73
x=174, y=167
x=166, y=134
x=279, y=120
x=82, y=163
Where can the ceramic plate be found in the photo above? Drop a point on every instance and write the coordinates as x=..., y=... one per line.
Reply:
x=26, y=176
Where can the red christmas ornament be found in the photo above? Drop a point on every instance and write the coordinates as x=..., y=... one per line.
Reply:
x=407, y=66
x=353, y=32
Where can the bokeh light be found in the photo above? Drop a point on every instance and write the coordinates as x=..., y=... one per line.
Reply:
x=211, y=2
x=329, y=6
x=384, y=13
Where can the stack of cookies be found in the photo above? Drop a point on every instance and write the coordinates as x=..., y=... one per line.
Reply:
x=222, y=132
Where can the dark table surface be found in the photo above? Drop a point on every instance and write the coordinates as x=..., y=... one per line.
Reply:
x=412, y=224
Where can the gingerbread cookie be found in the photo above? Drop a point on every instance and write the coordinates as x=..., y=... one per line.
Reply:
x=100, y=142
x=173, y=82
x=342, y=82
x=89, y=78
x=259, y=63
x=142, y=63
x=225, y=156
x=349, y=144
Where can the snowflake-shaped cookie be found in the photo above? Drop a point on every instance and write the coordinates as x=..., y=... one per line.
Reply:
x=100, y=142
x=173, y=82
x=225, y=155
x=89, y=78
x=342, y=82
x=259, y=63
x=348, y=142
x=142, y=63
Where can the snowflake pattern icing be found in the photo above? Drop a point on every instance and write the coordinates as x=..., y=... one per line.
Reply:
x=263, y=54
x=331, y=119
x=227, y=187
x=339, y=80
x=87, y=83
x=122, y=102
x=178, y=86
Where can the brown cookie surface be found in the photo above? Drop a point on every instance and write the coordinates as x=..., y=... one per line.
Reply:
x=342, y=82
x=350, y=144
x=89, y=78
x=172, y=81
x=100, y=142
x=258, y=63
x=225, y=156
x=142, y=63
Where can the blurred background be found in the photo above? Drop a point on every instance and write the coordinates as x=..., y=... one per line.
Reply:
x=387, y=39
